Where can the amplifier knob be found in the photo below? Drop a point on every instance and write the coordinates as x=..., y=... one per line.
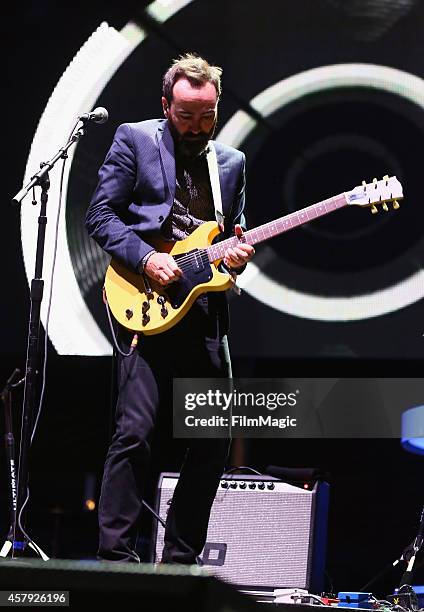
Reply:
x=252, y=485
x=261, y=486
x=224, y=484
x=233, y=485
x=242, y=485
x=271, y=486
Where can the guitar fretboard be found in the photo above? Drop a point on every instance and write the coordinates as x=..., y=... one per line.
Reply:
x=278, y=226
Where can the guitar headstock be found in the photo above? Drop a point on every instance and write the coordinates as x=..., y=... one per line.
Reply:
x=388, y=189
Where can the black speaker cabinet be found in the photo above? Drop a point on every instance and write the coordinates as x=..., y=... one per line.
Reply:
x=263, y=533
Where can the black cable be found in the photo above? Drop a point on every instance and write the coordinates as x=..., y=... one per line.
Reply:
x=244, y=467
x=330, y=582
x=115, y=342
x=177, y=540
x=18, y=384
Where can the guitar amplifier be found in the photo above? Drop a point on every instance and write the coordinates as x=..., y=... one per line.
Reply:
x=263, y=533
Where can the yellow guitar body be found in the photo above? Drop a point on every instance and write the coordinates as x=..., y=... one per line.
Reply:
x=140, y=304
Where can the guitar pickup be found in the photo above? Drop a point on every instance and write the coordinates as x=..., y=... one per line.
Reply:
x=199, y=266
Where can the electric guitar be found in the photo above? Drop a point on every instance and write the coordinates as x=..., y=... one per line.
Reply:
x=143, y=305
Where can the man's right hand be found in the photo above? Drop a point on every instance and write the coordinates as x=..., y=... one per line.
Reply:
x=162, y=268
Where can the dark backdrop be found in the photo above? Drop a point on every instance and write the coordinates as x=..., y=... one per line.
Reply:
x=376, y=494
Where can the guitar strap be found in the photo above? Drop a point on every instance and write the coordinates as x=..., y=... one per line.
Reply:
x=217, y=200
x=216, y=187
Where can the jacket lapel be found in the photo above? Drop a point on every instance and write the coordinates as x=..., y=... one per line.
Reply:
x=167, y=155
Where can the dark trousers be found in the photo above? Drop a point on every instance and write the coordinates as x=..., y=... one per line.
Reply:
x=195, y=347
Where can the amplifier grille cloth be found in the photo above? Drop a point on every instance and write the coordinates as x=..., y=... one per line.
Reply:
x=268, y=534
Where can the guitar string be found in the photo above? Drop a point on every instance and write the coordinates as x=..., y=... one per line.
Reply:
x=263, y=228
x=250, y=235
x=185, y=261
x=189, y=256
x=229, y=242
x=247, y=235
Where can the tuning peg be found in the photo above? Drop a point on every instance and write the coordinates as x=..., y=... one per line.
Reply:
x=386, y=177
x=396, y=204
x=364, y=185
x=385, y=207
x=374, y=180
x=374, y=209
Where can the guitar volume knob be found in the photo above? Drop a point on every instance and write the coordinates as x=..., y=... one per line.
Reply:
x=129, y=313
x=145, y=307
x=164, y=312
x=145, y=319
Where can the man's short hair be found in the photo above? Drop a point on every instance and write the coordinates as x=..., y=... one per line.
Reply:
x=193, y=68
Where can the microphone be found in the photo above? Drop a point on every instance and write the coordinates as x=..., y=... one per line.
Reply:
x=98, y=115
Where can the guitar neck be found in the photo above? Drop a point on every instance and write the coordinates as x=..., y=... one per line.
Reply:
x=278, y=226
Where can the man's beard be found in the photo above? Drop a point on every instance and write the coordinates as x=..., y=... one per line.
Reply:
x=189, y=144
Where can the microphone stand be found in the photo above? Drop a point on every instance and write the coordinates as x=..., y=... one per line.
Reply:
x=404, y=558
x=41, y=178
x=405, y=594
x=405, y=583
x=9, y=441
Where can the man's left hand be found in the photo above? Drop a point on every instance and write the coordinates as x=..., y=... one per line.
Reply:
x=240, y=254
